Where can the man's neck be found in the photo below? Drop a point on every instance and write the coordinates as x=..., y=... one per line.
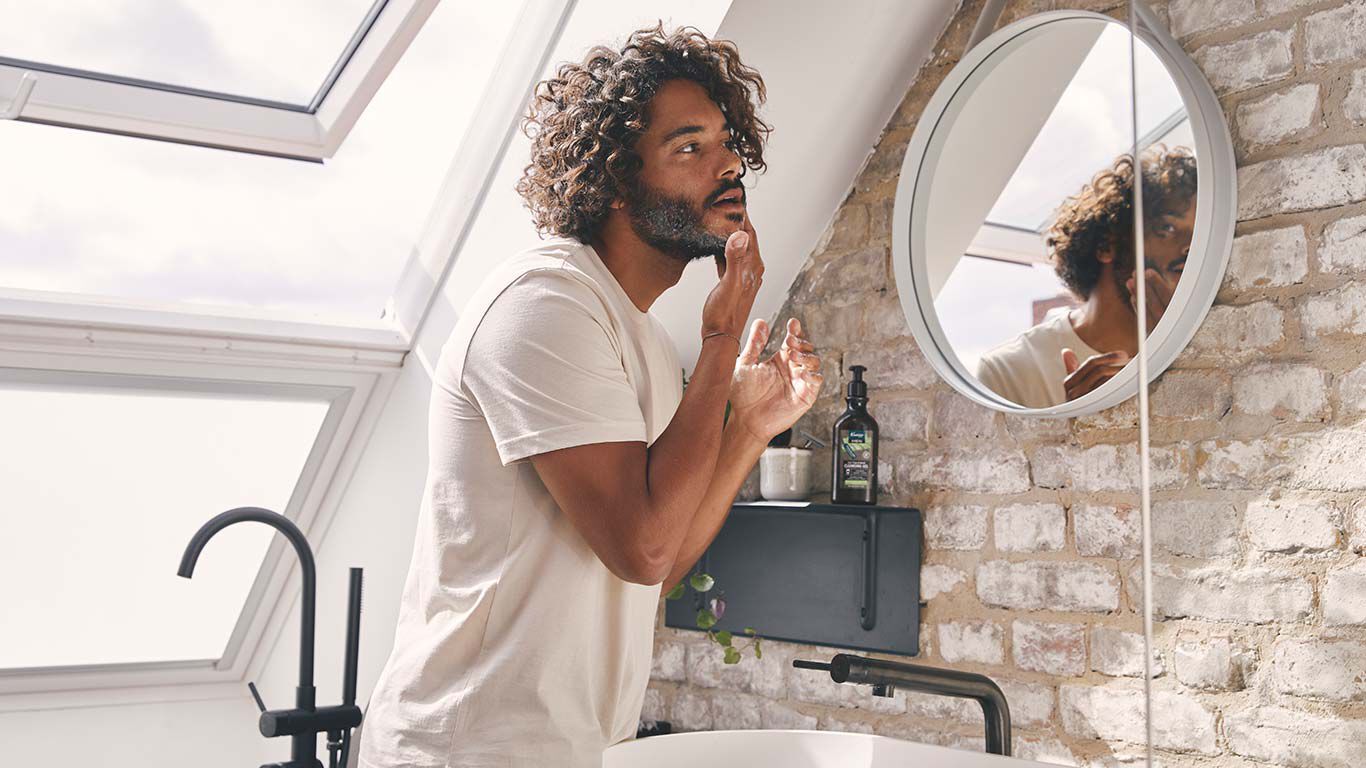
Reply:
x=643, y=271
x=1105, y=321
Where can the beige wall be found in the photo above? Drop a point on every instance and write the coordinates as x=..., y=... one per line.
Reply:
x=1032, y=541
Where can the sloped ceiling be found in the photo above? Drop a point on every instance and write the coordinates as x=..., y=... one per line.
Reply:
x=835, y=73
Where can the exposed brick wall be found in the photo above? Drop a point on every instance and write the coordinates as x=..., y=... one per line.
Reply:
x=1032, y=539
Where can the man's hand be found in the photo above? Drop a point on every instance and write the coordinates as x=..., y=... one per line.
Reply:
x=1084, y=377
x=1157, y=295
x=768, y=397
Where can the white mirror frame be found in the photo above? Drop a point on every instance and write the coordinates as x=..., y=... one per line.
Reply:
x=1215, y=216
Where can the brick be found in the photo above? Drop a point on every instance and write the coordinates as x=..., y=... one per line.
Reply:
x=1192, y=394
x=1344, y=594
x=1107, y=531
x=956, y=527
x=1106, y=467
x=1239, y=332
x=1030, y=528
x=1045, y=749
x=1191, y=16
x=982, y=642
x=899, y=364
x=1253, y=596
x=1053, y=585
x=776, y=715
x=1321, y=179
x=956, y=417
x=901, y=418
x=1354, y=106
x=653, y=709
x=1251, y=464
x=1318, y=668
x=936, y=580
x=1356, y=530
x=1336, y=35
x=1295, y=739
x=1343, y=248
x=1118, y=653
x=736, y=713
x=1270, y=259
x=849, y=229
x=1279, y=116
x=1054, y=649
x=1180, y=722
x=836, y=721
x=1292, y=525
x=979, y=469
x=1249, y=61
x=1335, y=313
x=1194, y=528
x=854, y=273
x=1031, y=704
x=1352, y=390
x=691, y=711
x=1285, y=392
x=1208, y=664
x=668, y=663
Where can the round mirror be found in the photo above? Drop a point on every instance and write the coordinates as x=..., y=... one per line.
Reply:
x=1013, y=231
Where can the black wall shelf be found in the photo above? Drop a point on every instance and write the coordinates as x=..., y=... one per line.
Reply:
x=827, y=574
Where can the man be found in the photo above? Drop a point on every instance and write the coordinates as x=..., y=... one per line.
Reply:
x=570, y=479
x=1091, y=244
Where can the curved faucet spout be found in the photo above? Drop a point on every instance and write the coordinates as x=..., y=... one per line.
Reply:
x=296, y=537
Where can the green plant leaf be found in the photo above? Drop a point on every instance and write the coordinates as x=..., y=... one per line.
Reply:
x=749, y=630
x=676, y=592
x=705, y=619
x=732, y=655
x=724, y=637
x=758, y=649
x=701, y=582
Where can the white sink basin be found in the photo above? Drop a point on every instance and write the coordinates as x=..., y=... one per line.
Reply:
x=795, y=749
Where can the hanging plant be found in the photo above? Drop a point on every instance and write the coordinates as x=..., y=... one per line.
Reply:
x=710, y=613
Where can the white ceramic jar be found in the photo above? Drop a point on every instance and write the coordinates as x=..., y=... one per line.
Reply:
x=785, y=474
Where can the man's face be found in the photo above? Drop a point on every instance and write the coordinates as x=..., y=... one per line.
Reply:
x=1166, y=245
x=688, y=165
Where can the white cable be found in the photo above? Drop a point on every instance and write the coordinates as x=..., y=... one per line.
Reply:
x=1140, y=300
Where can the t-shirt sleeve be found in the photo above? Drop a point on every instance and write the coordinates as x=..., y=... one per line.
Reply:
x=546, y=370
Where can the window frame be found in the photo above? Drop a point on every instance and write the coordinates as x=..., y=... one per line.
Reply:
x=74, y=98
x=359, y=366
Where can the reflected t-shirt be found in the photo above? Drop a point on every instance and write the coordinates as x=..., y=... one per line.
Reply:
x=515, y=646
x=1028, y=369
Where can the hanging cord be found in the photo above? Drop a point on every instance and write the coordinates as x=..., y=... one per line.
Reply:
x=1140, y=300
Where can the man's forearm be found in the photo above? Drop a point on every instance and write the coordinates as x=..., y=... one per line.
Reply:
x=739, y=452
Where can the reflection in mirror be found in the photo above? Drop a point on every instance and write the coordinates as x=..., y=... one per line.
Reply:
x=1035, y=296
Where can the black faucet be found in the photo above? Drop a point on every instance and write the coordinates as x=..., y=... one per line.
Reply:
x=884, y=676
x=303, y=723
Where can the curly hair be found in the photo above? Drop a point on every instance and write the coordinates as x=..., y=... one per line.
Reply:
x=1102, y=215
x=585, y=121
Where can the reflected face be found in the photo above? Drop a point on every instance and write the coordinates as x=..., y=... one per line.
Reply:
x=688, y=167
x=1166, y=246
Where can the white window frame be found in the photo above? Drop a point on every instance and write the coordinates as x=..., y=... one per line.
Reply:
x=55, y=95
x=251, y=351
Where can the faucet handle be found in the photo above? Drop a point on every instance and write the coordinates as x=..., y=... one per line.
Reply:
x=261, y=705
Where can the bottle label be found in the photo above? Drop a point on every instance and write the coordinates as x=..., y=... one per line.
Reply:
x=856, y=458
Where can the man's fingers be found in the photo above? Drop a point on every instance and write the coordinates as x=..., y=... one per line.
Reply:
x=758, y=336
x=1069, y=360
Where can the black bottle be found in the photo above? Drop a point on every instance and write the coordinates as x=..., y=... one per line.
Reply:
x=854, y=479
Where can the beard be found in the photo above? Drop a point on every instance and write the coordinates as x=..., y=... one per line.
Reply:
x=672, y=225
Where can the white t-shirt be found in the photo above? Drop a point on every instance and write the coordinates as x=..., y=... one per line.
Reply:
x=515, y=645
x=1028, y=369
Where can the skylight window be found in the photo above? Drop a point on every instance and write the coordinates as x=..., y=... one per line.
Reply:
x=284, y=79
x=114, y=218
x=266, y=53
x=100, y=490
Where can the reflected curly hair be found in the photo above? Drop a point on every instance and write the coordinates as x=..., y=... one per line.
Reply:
x=585, y=121
x=1101, y=216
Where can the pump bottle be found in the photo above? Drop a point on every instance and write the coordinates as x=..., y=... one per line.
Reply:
x=854, y=467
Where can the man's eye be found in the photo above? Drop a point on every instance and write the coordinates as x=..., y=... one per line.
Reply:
x=685, y=146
